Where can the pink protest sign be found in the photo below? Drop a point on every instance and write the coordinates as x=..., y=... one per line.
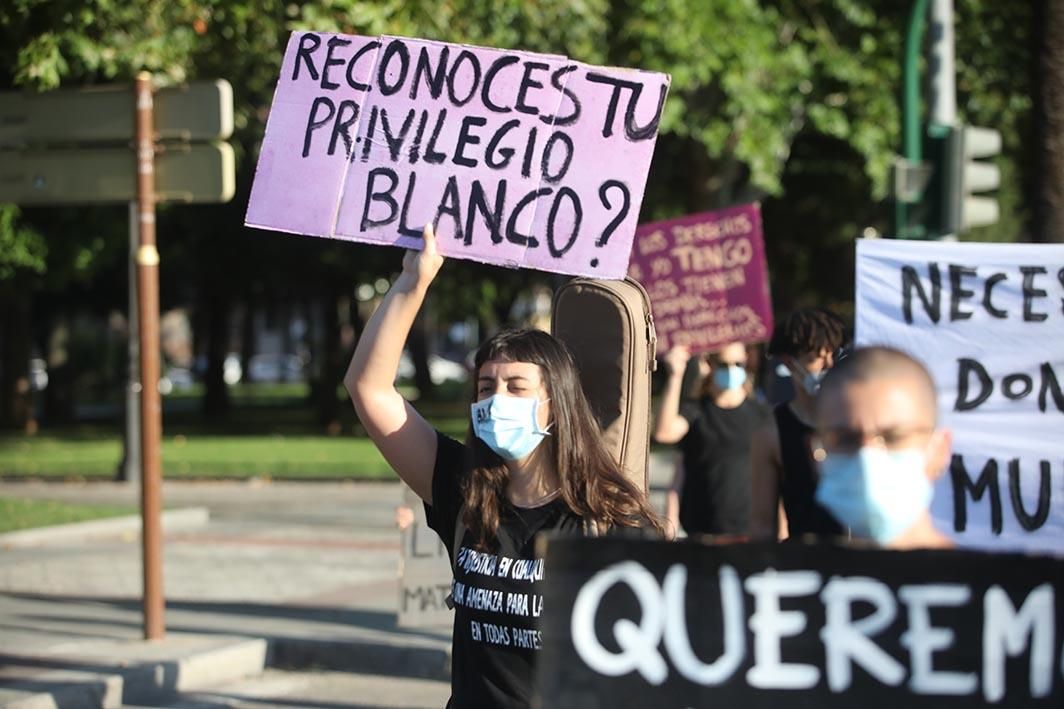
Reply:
x=304, y=157
x=519, y=159
x=706, y=277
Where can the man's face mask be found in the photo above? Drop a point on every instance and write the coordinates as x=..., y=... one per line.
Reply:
x=509, y=425
x=877, y=493
x=808, y=380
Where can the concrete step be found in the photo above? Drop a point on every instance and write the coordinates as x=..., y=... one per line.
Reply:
x=125, y=526
x=278, y=689
x=94, y=675
x=107, y=675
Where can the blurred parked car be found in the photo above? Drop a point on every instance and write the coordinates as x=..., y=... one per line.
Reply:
x=441, y=369
x=38, y=374
x=176, y=378
x=232, y=372
x=231, y=369
x=275, y=368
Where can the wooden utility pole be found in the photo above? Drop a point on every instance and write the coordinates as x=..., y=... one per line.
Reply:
x=150, y=402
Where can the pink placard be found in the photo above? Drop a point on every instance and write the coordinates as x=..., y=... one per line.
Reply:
x=706, y=277
x=520, y=159
x=304, y=156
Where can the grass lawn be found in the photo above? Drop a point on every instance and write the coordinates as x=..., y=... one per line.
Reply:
x=196, y=456
x=270, y=432
x=26, y=514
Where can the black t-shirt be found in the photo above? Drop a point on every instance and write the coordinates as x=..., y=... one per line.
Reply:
x=715, y=497
x=497, y=595
x=799, y=479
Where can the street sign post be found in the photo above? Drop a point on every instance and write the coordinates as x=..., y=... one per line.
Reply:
x=113, y=145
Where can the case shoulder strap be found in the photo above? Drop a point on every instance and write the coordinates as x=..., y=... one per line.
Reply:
x=459, y=535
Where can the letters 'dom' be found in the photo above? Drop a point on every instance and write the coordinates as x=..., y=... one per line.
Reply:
x=988, y=322
x=682, y=624
x=519, y=159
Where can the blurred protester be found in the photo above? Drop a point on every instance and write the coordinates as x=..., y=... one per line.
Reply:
x=783, y=475
x=879, y=448
x=710, y=493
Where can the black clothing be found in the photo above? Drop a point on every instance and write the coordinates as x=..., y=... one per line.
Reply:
x=799, y=478
x=715, y=497
x=498, y=595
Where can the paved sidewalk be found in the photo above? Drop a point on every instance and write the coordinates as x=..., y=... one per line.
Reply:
x=280, y=575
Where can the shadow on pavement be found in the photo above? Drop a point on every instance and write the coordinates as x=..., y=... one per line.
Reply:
x=354, y=617
x=325, y=638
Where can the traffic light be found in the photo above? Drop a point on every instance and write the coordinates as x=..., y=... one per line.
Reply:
x=976, y=175
x=956, y=198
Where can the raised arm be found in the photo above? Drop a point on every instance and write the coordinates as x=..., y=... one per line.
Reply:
x=765, y=509
x=404, y=438
x=672, y=500
x=669, y=425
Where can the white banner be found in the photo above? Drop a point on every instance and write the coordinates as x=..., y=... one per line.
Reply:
x=988, y=322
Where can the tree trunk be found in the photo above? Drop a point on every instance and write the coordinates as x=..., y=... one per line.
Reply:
x=16, y=399
x=418, y=344
x=247, y=334
x=327, y=404
x=284, y=320
x=1047, y=218
x=216, y=392
x=59, y=396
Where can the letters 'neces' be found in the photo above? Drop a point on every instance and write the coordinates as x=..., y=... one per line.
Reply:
x=971, y=288
x=650, y=624
x=519, y=159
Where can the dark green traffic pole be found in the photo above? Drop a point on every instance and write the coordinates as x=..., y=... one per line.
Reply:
x=910, y=108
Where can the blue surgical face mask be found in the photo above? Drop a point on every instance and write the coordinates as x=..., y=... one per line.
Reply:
x=809, y=381
x=731, y=377
x=509, y=425
x=877, y=493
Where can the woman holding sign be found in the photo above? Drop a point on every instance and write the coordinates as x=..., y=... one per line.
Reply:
x=533, y=462
x=711, y=492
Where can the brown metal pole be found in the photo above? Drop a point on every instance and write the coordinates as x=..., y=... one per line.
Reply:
x=150, y=406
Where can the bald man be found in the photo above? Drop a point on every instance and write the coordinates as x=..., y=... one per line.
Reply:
x=879, y=448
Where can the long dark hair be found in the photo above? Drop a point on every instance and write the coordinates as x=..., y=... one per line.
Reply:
x=592, y=485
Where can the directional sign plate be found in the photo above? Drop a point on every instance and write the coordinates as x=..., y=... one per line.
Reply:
x=187, y=173
x=196, y=111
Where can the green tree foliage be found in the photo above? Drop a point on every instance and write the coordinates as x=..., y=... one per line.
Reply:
x=21, y=247
x=995, y=89
x=52, y=42
x=793, y=102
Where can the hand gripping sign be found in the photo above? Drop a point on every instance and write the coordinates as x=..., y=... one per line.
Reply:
x=519, y=159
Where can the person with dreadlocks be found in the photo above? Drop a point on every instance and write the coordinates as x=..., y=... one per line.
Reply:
x=534, y=461
x=783, y=474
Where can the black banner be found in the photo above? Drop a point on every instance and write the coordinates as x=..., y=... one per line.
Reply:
x=638, y=623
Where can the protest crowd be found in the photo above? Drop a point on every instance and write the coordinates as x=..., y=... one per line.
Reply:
x=857, y=433
x=819, y=492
